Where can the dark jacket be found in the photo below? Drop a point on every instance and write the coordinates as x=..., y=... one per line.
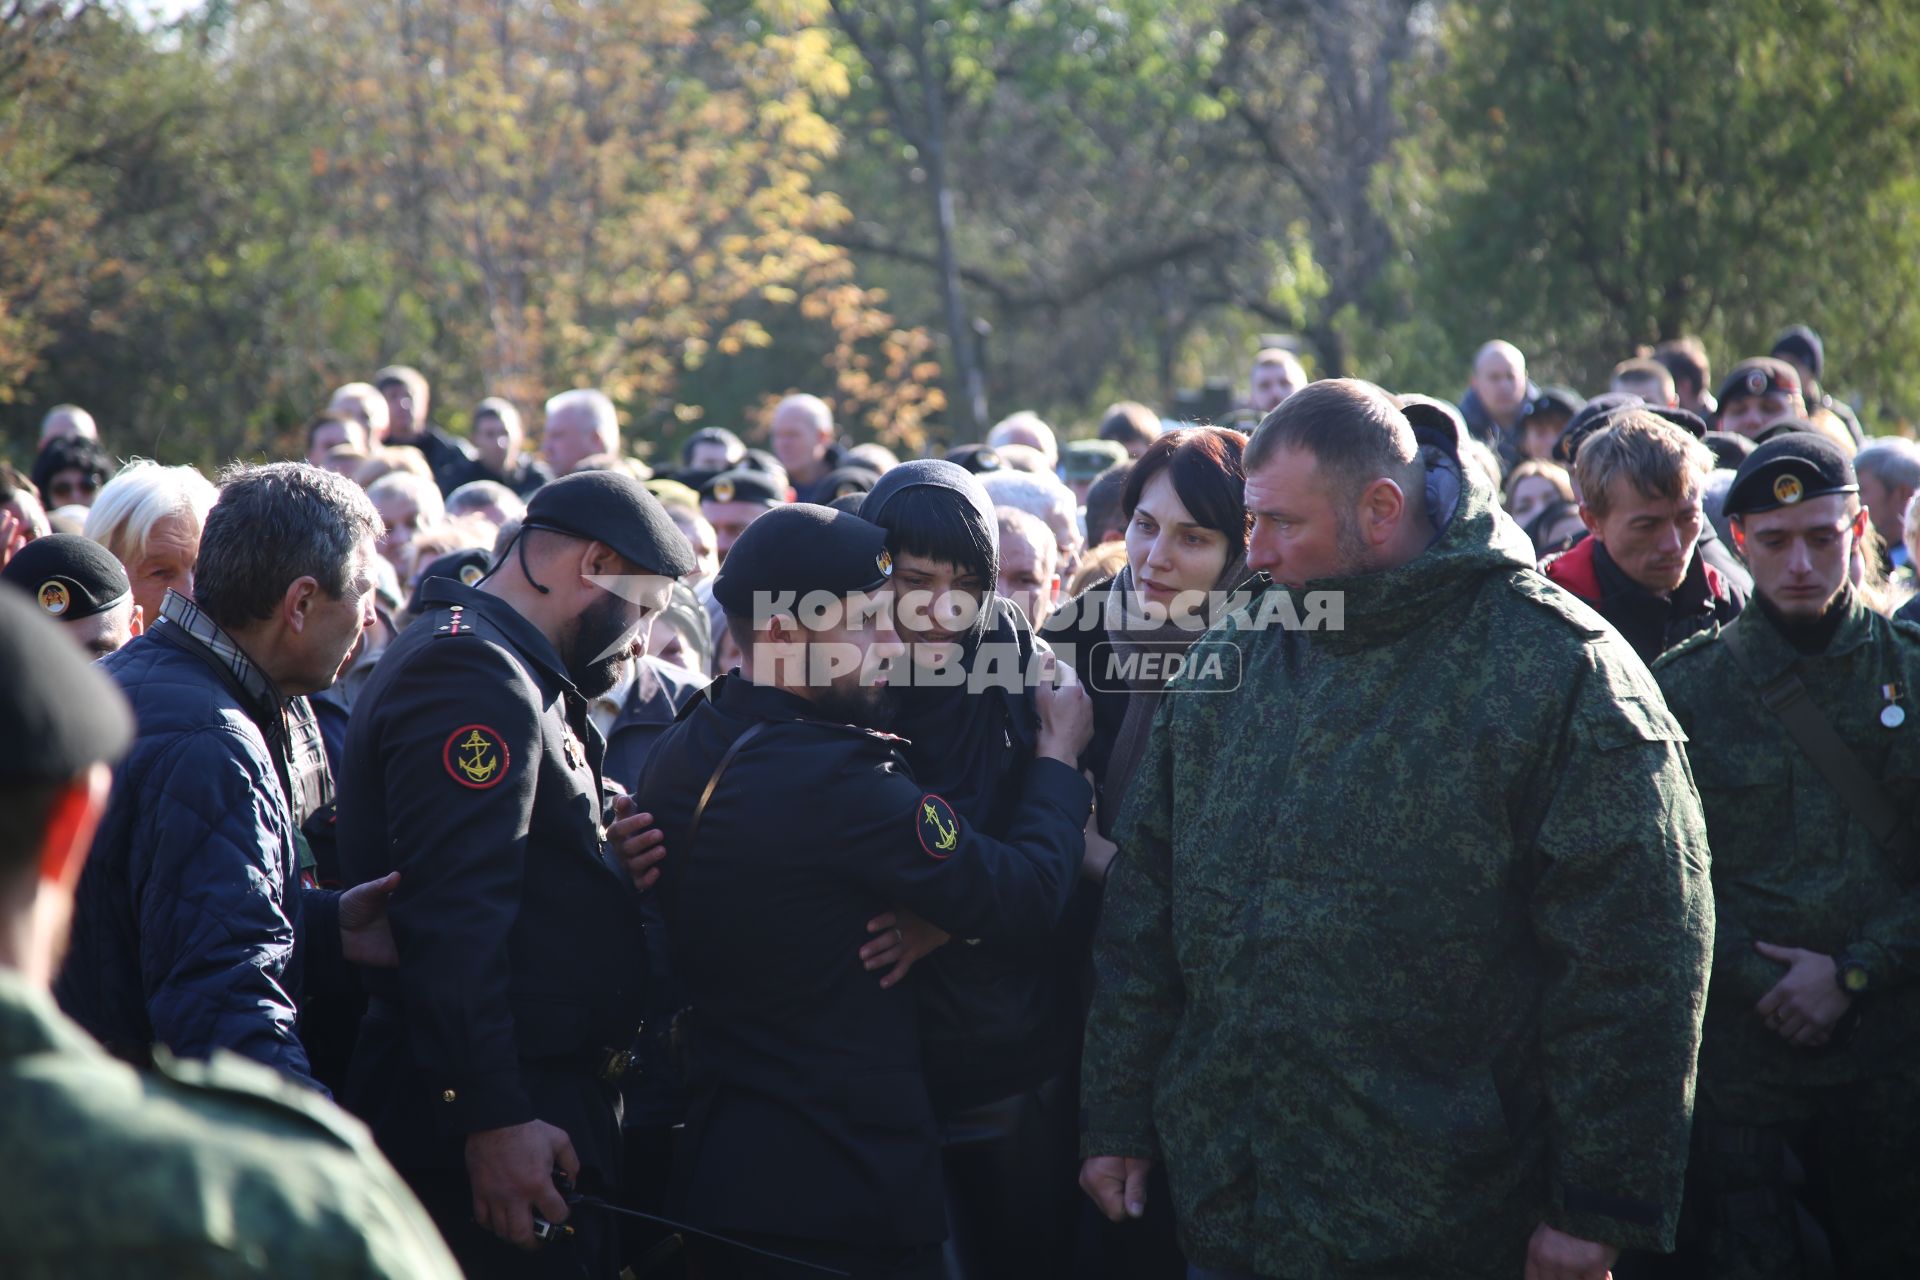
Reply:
x=658, y=692
x=810, y=1115
x=187, y=913
x=472, y=770
x=1650, y=623
x=525, y=479
x=447, y=454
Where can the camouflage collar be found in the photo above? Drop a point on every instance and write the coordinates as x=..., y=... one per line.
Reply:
x=31, y=1024
x=1770, y=652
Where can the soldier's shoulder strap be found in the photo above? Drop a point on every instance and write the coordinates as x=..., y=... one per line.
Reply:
x=1786, y=697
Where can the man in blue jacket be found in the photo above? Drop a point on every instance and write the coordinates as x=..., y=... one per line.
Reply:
x=195, y=918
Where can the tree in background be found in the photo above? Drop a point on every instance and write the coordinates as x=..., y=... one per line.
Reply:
x=1589, y=178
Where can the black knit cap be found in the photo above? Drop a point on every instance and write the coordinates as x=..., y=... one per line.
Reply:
x=1789, y=469
x=615, y=508
x=802, y=548
x=59, y=715
x=68, y=576
x=1800, y=343
x=1554, y=400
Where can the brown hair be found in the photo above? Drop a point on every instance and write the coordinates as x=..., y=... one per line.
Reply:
x=1130, y=422
x=1530, y=468
x=1657, y=458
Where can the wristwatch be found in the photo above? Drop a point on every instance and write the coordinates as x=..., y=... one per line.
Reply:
x=1851, y=973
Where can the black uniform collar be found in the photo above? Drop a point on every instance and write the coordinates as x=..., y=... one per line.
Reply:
x=526, y=637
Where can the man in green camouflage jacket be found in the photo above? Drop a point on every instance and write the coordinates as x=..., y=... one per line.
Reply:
x=1404, y=953
x=1812, y=1038
x=205, y=1169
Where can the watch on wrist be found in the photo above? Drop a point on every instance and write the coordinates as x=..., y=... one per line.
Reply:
x=1851, y=974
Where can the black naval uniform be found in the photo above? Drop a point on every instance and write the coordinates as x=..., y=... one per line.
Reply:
x=810, y=1128
x=471, y=767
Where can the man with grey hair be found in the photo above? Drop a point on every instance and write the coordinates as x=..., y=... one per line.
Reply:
x=801, y=432
x=1028, y=428
x=194, y=923
x=1414, y=987
x=65, y=420
x=1889, y=473
x=580, y=423
x=149, y=517
x=1048, y=498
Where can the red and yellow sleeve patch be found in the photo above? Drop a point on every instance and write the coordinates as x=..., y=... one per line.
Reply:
x=937, y=827
x=476, y=757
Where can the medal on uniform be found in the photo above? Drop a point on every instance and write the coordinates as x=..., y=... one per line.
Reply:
x=571, y=746
x=1893, y=715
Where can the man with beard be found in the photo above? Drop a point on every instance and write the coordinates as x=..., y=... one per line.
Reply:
x=796, y=827
x=493, y=1054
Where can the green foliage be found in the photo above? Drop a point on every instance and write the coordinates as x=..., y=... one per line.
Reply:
x=1588, y=178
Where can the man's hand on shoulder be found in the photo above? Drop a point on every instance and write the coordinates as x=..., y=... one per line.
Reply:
x=1117, y=1185
x=1555, y=1255
x=1066, y=714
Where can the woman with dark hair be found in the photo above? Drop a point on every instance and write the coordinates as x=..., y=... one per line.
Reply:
x=1186, y=538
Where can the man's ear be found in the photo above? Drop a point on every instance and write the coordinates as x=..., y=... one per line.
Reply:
x=1590, y=520
x=1381, y=505
x=1739, y=534
x=137, y=624
x=297, y=603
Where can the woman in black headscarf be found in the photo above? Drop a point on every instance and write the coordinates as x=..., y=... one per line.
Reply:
x=999, y=1026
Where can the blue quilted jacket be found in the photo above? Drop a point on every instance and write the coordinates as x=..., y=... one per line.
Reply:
x=185, y=925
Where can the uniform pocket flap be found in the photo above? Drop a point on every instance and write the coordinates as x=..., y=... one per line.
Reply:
x=1628, y=720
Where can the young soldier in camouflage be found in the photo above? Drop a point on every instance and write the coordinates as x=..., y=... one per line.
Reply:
x=1814, y=1019
x=1405, y=949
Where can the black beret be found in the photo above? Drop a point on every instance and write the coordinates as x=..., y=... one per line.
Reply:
x=802, y=548
x=468, y=566
x=1685, y=419
x=1554, y=400
x=1756, y=377
x=1729, y=449
x=57, y=713
x=1592, y=416
x=68, y=576
x=1790, y=468
x=615, y=508
x=742, y=484
x=977, y=458
x=853, y=478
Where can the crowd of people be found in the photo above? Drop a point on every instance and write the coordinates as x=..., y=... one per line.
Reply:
x=1376, y=836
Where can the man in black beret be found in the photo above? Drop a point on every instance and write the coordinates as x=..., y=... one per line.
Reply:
x=78, y=583
x=798, y=830
x=1760, y=398
x=1802, y=733
x=734, y=499
x=495, y=1051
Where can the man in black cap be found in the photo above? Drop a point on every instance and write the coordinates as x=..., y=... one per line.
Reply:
x=734, y=499
x=78, y=583
x=1802, y=348
x=1760, y=398
x=1802, y=733
x=494, y=1053
x=796, y=826
x=1542, y=419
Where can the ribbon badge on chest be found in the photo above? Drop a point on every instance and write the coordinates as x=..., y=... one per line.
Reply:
x=1893, y=715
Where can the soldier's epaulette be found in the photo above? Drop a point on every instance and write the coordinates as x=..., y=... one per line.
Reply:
x=890, y=740
x=453, y=622
x=1697, y=641
x=246, y=1083
x=1577, y=614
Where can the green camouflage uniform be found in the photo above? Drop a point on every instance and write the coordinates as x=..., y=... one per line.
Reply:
x=1405, y=949
x=1793, y=867
x=210, y=1170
